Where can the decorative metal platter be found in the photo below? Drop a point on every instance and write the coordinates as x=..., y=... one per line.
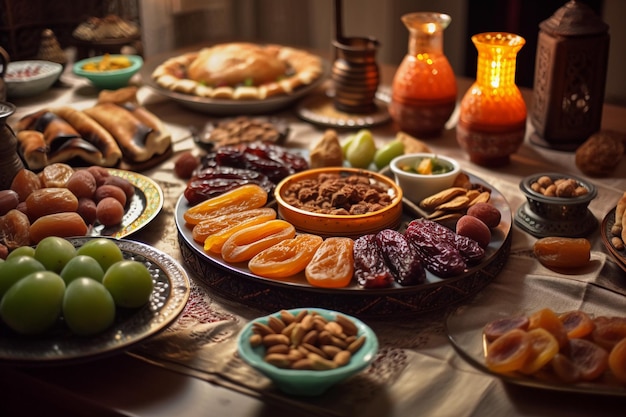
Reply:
x=319, y=109
x=144, y=206
x=237, y=283
x=465, y=326
x=59, y=345
x=605, y=232
x=226, y=107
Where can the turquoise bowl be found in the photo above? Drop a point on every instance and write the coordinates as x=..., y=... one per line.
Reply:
x=111, y=79
x=308, y=382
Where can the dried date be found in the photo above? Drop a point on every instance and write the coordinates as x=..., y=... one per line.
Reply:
x=370, y=269
x=401, y=257
x=212, y=181
x=438, y=255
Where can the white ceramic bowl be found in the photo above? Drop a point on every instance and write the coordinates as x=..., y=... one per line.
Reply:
x=30, y=78
x=415, y=187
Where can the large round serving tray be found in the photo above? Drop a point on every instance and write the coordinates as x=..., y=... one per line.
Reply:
x=59, y=346
x=235, y=281
x=225, y=107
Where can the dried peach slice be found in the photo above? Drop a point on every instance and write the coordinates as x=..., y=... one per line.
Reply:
x=286, y=258
x=332, y=265
x=497, y=328
x=577, y=324
x=617, y=360
x=245, y=197
x=609, y=331
x=244, y=244
x=548, y=320
x=543, y=347
x=591, y=359
x=509, y=352
x=208, y=227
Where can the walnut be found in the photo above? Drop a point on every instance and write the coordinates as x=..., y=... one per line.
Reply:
x=600, y=154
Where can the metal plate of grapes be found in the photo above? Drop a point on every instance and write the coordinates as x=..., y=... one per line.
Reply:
x=236, y=282
x=59, y=346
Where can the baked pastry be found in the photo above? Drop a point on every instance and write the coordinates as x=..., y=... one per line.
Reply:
x=108, y=27
x=239, y=71
x=600, y=154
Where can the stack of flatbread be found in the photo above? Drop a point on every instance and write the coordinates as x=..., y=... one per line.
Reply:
x=116, y=129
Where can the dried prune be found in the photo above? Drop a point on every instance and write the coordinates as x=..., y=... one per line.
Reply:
x=401, y=257
x=437, y=254
x=213, y=181
x=370, y=269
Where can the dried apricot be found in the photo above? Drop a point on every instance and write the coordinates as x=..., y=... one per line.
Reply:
x=214, y=242
x=82, y=184
x=608, y=331
x=286, y=258
x=590, y=359
x=543, y=346
x=577, y=323
x=55, y=175
x=25, y=182
x=509, y=352
x=110, y=190
x=109, y=211
x=617, y=360
x=49, y=201
x=332, y=265
x=244, y=244
x=497, y=328
x=548, y=320
x=9, y=200
x=58, y=224
x=201, y=231
x=245, y=197
x=15, y=228
x=564, y=368
x=563, y=252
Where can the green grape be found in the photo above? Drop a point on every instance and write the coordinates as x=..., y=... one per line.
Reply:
x=386, y=153
x=346, y=144
x=16, y=268
x=88, y=307
x=129, y=282
x=33, y=304
x=82, y=266
x=22, y=251
x=103, y=250
x=362, y=148
x=54, y=252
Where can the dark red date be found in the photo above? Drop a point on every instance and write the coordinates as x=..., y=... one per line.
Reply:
x=213, y=181
x=436, y=252
x=401, y=257
x=370, y=269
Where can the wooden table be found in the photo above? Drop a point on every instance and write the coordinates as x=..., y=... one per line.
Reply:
x=124, y=385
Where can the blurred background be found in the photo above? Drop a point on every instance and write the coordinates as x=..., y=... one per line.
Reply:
x=167, y=25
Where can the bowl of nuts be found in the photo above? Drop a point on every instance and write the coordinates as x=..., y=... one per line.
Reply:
x=557, y=205
x=305, y=351
x=339, y=201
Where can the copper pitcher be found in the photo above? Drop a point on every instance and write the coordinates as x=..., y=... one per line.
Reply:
x=4, y=62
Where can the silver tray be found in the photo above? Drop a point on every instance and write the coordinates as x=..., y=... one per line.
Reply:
x=59, y=345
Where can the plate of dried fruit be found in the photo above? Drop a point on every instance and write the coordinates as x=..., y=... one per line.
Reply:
x=236, y=281
x=573, y=355
x=614, y=244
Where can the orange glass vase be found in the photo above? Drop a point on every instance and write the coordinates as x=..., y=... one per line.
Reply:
x=492, y=118
x=424, y=89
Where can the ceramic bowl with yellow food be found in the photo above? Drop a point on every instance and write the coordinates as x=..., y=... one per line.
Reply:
x=420, y=175
x=315, y=374
x=338, y=201
x=109, y=71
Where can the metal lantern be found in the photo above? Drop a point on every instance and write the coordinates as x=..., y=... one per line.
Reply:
x=570, y=77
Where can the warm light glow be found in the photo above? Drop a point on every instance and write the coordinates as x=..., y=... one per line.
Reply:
x=431, y=28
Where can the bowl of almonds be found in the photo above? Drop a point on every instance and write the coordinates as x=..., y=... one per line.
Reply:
x=560, y=197
x=306, y=351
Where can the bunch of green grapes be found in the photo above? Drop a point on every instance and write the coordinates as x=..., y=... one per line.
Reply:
x=84, y=286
